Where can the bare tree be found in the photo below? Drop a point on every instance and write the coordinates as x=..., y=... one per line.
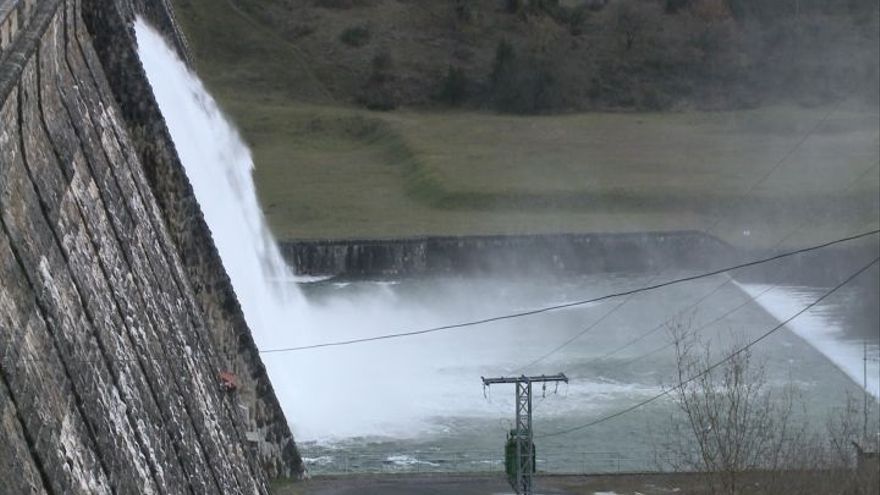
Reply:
x=634, y=20
x=746, y=438
x=853, y=430
x=732, y=422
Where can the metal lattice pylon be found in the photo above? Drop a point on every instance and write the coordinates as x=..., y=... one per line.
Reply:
x=522, y=481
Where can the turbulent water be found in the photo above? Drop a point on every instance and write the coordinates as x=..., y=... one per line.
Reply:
x=389, y=400
x=318, y=391
x=463, y=429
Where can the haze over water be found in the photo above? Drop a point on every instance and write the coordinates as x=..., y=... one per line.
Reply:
x=425, y=390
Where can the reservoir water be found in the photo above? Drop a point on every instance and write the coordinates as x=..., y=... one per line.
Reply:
x=418, y=404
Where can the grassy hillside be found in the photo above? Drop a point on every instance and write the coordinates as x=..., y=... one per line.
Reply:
x=325, y=168
x=238, y=55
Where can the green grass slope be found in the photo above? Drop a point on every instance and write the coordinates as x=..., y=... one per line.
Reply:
x=331, y=170
x=235, y=54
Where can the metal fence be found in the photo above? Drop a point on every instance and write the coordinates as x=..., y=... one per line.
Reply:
x=559, y=462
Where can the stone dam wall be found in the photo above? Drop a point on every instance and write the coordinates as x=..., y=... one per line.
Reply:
x=559, y=253
x=14, y=18
x=115, y=46
x=116, y=316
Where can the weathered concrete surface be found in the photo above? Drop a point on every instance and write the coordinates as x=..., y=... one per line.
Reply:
x=112, y=36
x=565, y=253
x=15, y=17
x=109, y=355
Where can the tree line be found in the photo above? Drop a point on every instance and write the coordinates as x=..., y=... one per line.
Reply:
x=658, y=55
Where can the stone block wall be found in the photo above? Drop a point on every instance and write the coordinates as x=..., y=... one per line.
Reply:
x=14, y=17
x=109, y=361
x=110, y=27
x=529, y=254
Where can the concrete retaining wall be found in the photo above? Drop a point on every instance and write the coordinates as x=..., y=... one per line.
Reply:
x=115, y=49
x=568, y=253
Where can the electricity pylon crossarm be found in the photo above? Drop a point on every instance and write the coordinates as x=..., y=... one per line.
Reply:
x=522, y=481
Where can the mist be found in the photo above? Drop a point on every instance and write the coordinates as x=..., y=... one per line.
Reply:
x=428, y=386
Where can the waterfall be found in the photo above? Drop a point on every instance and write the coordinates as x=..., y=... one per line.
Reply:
x=219, y=167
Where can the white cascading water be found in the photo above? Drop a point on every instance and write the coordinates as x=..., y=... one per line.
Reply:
x=219, y=167
x=821, y=332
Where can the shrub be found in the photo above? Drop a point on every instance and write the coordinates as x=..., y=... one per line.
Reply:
x=575, y=18
x=378, y=97
x=505, y=56
x=732, y=425
x=356, y=36
x=544, y=5
x=382, y=64
x=378, y=92
x=341, y=4
x=632, y=21
x=523, y=84
x=300, y=30
x=532, y=88
x=464, y=10
x=454, y=88
x=675, y=6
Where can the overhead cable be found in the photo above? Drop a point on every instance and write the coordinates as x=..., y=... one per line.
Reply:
x=572, y=304
x=717, y=364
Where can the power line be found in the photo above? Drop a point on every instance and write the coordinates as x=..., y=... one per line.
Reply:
x=783, y=159
x=547, y=309
x=572, y=304
x=717, y=364
x=723, y=316
x=788, y=236
x=712, y=227
x=701, y=299
x=855, y=182
x=581, y=333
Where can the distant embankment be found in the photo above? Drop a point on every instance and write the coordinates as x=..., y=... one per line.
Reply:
x=571, y=253
x=116, y=316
